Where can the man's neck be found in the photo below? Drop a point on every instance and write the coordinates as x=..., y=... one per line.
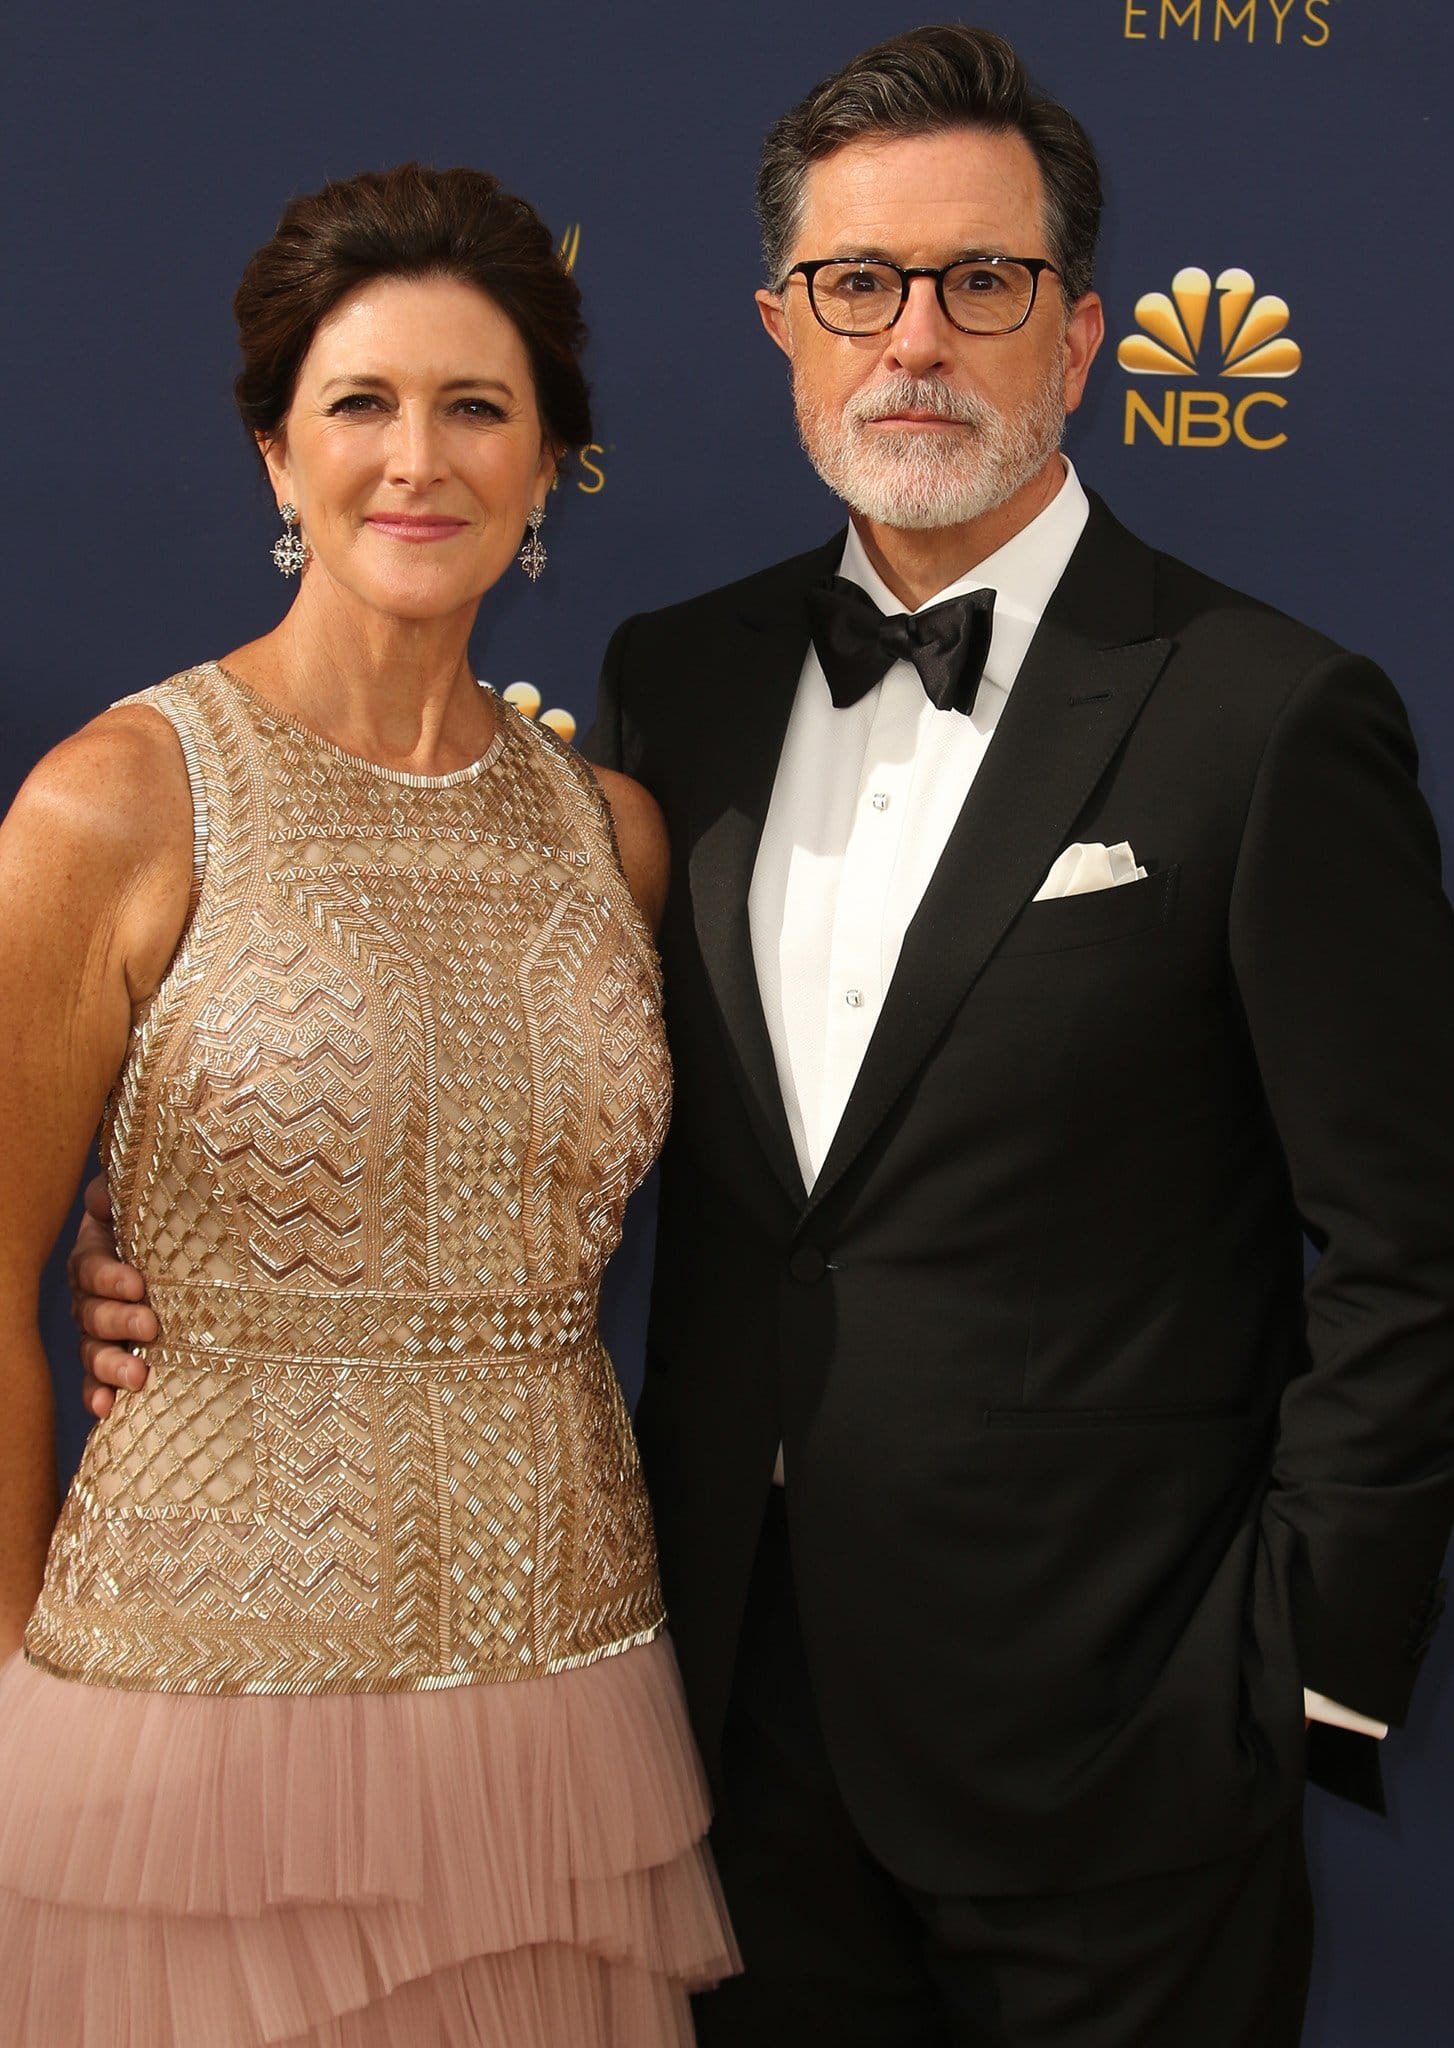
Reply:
x=917, y=563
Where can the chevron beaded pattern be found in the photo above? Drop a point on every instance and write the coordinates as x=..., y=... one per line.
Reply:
x=371, y=1148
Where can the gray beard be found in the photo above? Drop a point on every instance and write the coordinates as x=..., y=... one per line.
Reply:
x=919, y=480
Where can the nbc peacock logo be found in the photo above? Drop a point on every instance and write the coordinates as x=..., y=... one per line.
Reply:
x=1172, y=341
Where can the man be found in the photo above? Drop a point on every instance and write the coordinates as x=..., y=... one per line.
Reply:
x=1055, y=939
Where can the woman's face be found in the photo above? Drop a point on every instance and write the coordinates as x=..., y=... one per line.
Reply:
x=413, y=449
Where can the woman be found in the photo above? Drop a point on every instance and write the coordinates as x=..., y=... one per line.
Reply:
x=344, y=1713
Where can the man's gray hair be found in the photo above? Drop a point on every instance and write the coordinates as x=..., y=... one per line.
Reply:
x=923, y=83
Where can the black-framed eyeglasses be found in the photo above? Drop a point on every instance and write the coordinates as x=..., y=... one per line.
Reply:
x=978, y=295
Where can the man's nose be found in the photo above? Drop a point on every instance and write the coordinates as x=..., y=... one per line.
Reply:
x=920, y=339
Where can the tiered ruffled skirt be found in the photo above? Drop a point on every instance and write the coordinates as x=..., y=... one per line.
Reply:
x=519, y=1864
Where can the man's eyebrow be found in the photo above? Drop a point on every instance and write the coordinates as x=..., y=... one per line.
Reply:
x=876, y=253
x=862, y=253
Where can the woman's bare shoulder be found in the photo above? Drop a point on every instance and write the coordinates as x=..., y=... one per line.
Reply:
x=106, y=816
x=121, y=780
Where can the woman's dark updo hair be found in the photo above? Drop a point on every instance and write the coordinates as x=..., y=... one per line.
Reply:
x=410, y=222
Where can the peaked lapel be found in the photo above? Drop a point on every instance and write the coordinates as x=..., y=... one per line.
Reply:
x=761, y=662
x=1089, y=670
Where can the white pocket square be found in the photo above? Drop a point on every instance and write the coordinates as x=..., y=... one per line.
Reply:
x=1080, y=869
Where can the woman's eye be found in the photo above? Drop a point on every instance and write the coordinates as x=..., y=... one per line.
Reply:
x=358, y=403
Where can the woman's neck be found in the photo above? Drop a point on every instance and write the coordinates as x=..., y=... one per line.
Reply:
x=399, y=692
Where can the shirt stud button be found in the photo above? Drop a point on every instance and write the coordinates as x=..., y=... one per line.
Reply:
x=880, y=799
x=854, y=999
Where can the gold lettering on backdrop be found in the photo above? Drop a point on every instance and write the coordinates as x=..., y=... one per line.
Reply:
x=1234, y=20
x=1203, y=409
x=1201, y=419
x=1243, y=431
x=1228, y=19
x=1164, y=428
x=593, y=477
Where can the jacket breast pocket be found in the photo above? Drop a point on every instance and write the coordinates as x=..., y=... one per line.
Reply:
x=1096, y=918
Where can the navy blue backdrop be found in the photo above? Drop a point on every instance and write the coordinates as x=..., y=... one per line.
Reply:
x=149, y=149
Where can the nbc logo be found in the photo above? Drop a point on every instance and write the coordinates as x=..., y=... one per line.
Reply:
x=1252, y=345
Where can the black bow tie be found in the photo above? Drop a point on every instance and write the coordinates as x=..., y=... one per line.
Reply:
x=858, y=644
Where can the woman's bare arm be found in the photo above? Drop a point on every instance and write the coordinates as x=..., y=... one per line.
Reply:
x=641, y=836
x=95, y=877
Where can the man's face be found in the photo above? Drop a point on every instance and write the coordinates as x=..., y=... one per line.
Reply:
x=925, y=426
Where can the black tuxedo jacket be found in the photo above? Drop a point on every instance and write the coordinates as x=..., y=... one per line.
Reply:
x=1084, y=1484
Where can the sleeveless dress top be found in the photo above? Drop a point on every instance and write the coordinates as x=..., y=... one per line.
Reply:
x=362, y=1584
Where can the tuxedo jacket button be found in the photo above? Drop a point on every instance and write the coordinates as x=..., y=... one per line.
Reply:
x=807, y=1264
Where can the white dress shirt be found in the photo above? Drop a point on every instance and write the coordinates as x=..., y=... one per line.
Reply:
x=862, y=805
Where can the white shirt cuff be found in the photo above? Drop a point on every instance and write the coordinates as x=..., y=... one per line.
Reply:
x=1318, y=1707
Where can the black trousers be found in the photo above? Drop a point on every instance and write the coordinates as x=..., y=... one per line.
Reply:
x=840, y=1952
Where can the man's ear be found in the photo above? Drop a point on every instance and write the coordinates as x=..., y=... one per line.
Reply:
x=775, y=320
x=1085, y=330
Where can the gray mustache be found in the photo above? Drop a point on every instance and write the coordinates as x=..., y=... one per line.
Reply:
x=882, y=399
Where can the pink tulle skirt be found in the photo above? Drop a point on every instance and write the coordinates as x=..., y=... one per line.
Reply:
x=517, y=1864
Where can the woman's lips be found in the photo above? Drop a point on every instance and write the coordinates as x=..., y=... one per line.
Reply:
x=417, y=526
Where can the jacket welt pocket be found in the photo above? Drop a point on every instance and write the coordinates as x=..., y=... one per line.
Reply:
x=1064, y=922
x=1141, y=1417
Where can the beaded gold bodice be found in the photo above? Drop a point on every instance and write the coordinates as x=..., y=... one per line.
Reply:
x=371, y=1147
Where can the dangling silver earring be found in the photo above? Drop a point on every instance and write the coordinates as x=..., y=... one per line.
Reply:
x=290, y=550
x=532, y=554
